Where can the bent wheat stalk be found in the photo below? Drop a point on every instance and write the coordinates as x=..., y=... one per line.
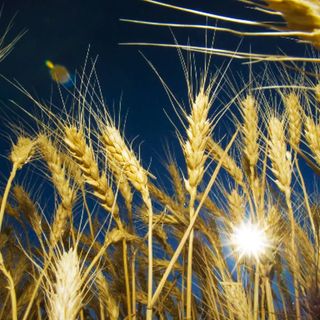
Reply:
x=21, y=153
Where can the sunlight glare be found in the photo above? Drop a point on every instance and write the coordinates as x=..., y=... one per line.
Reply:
x=249, y=240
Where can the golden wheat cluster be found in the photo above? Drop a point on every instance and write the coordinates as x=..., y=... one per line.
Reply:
x=233, y=234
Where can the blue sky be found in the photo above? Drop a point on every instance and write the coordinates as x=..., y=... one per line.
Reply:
x=63, y=30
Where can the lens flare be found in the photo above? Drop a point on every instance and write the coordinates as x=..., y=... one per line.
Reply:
x=250, y=240
x=60, y=74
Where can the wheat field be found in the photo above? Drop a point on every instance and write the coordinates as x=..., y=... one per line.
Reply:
x=234, y=231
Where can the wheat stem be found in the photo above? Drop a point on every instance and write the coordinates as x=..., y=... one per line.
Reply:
x=126, y=276
x=134, y=292
x=38, y=283
x=191, y=224
x=189, y=264
x=270, y=304
x=11, y=288
x=6, y=192
x=256, y=293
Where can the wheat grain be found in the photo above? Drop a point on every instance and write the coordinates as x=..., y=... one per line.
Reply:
x=294, y=117
x=250, y=132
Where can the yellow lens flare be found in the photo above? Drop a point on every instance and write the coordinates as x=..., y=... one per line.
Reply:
x=58, y=73
x=250, y=240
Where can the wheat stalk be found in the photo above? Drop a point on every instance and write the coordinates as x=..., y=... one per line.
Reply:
x=122, y=157
x=11, y=288
x=282, y=170
x=194, y=148
x=21, y=153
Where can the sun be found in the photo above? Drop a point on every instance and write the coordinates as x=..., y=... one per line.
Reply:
x=250, y=240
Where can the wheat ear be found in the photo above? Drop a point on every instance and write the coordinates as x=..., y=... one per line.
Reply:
x=27, y=206
x=62, y=185
x=84, y=156
x=125, y=190
x=11, y=211
x=64, y=297
x=121, y=156
x=21, y=153
x=236, y=296
x=107, y=298
x=229, y=164
x=236, y=207
x=179, y=188
x=312, y=134
x=57, y=169
x=279, y=156
x=250, y=134
x=294, y=114
x=198, y=132
x=282, y=170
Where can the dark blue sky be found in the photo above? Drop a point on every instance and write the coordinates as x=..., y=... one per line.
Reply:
x=62, y=30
